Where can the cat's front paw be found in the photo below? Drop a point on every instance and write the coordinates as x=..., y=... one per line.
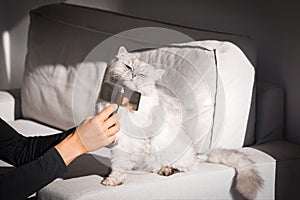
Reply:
x=167, y=171
x=109, y=181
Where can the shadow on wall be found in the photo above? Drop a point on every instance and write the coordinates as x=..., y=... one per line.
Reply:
x=13, y=37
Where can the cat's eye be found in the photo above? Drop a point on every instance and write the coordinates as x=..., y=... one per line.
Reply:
x=128, y=67
x=141, y=75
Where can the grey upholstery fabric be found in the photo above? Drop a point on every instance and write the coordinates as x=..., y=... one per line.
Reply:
x=269, y=120
x=107, y=23
x=281, y=150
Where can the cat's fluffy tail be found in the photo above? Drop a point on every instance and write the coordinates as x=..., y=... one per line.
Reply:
x=247, y=181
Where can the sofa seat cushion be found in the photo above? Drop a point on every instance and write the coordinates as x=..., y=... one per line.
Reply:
x=287, y=157
x=83, y=178
x=281, y=150
x=146, y=186
x=31, y=128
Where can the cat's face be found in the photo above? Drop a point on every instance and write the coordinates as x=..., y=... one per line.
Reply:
x=133, y=73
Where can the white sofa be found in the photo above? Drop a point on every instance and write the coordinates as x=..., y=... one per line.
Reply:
x=64, y=25
x=82, y=181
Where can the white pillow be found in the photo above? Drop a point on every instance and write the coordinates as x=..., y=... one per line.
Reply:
x=236, y=75
x=61, y=96
x=191, y=77
x=234, y=93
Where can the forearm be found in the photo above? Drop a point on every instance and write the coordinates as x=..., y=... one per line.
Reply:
x=36, y=146
x=19, y=183
x=34, y=175
x=19, y=150
x=70, y=148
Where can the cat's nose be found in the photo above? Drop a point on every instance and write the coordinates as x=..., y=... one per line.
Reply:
x=133, y=75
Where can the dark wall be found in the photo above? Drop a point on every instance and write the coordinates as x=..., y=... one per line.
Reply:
x=14, y=19
x=288, y=73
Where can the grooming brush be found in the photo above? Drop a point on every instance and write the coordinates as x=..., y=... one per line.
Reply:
x=120, y=95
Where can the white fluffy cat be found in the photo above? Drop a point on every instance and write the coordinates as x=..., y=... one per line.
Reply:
x=151, y=141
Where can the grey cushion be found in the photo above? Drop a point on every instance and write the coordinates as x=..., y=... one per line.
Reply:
x=269, y=120
x=106, y=23
x=281, y=150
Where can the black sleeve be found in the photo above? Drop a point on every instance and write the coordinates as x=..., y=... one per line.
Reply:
x=20, y=183
x=37, y=160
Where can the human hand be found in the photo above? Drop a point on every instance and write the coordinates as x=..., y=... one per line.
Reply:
x=100, y=130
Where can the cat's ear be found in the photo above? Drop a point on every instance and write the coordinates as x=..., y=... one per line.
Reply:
x=157, y=74
x=122, y=51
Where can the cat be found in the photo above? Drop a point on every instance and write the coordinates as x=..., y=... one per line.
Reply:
x=150, y=151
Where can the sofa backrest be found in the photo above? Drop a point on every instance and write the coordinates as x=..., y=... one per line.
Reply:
x=66, y=34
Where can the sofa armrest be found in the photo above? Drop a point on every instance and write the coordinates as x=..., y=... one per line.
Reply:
x=7, y=106
x=269, y=113
x=16, y=93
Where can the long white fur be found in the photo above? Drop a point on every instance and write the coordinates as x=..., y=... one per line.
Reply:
x=141, y=154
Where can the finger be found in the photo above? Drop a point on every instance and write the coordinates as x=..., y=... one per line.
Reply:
x=110, y=122
x=125, y=101
x=130, y=107
x=117, y=116
x=112, y=138
x=113, y=130
x=106, y=112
